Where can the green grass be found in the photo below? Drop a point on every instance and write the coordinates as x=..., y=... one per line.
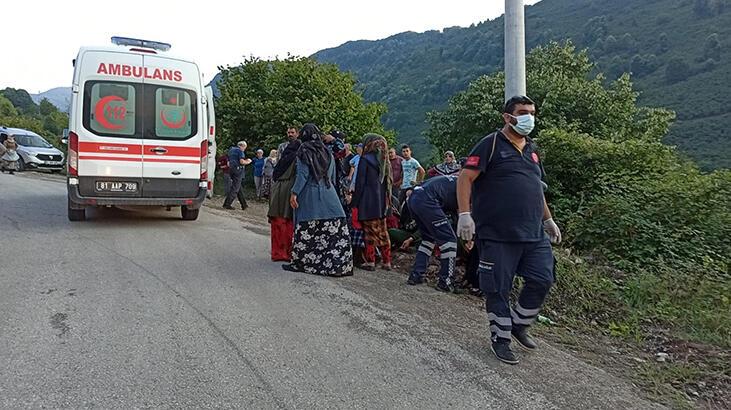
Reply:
x=647, y=312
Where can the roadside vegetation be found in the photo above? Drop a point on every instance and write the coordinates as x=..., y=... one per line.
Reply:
x=648, y=235
x=17, y=110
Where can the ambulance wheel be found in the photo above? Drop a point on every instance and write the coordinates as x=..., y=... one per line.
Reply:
x=189, y=214
x=77, y=214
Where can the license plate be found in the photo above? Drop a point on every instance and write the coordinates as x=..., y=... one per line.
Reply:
x=116, y=186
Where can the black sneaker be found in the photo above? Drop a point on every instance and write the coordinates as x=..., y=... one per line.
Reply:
x=443, y=287
x=291, y=268
x=228, y=207
x=414, y=280
x=523, y=338
x=503, y=353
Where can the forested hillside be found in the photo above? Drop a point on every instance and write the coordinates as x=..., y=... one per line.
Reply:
x=676, y=50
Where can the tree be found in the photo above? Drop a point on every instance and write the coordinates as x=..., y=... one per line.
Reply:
x=6, y=108
x=46, y=107
x=621, y=193
x=663, y=44
x=261, y=98
x=712, y=48
x=677, y=70
x=21, y=100
x=558, y=80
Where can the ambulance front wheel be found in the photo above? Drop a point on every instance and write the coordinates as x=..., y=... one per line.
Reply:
x=189, y=214
x=77, y=214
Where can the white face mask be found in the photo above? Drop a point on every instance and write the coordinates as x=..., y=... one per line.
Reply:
x=525, y=124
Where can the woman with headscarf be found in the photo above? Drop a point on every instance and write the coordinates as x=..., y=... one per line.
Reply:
x=9, y=159
x=269, y=164
x=321, y=243
x=280, y=211
x=450, y=166
x=373, y=200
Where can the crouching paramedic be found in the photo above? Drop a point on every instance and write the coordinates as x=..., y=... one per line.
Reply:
x=427, y=204
x=502, y=176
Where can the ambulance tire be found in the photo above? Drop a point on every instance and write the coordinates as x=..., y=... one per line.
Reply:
x=77, y=214
x=189, y=214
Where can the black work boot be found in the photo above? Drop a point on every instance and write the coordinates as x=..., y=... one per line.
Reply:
x=503, y=353
x=523, y=338
x=415, y=280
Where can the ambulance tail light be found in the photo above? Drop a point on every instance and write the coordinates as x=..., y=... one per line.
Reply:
x=204, y=160
x=73, y=160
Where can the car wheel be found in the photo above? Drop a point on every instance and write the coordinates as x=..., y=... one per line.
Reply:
x=21, y=164
x=189, y=214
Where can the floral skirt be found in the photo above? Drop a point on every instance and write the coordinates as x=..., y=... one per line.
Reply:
x=266, y=186
x=322, y=247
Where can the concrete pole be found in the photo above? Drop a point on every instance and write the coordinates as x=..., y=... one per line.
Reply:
x=514, y=48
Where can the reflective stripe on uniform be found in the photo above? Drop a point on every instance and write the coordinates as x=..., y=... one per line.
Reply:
x=426, y=247
x=496, y=331
x=447, y=255
x=526, y=312
x=503, y=321
x=521, y=320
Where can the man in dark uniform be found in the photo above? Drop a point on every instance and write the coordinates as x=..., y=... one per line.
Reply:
x=428, y=203
x=502, y=177
x=236, y=162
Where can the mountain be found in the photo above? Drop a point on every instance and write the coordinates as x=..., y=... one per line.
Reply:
x=677, y=51
x=59, y=96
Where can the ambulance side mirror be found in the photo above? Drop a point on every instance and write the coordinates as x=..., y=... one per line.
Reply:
x=65, y=138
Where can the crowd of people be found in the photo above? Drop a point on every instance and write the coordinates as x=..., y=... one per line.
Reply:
x=334, y=206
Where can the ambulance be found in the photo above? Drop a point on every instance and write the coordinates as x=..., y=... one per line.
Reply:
x=141, y=129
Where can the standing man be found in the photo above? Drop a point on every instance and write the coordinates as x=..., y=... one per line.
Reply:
x=292, y=134
x=428, y=204
x=502, y=176
x=413, y=172
x=236, y=162
x=397, y=172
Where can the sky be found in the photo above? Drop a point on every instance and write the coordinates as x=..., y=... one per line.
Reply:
x=41, y=38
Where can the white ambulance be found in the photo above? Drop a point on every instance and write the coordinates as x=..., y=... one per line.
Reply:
x=139, y=128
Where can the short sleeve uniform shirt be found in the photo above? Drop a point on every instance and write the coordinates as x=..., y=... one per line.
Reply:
x=507, y=196
x=234, y=156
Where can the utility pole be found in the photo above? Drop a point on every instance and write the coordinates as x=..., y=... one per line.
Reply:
x=514, y=48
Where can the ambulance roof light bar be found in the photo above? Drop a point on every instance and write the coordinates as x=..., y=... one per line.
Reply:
x=136, y=42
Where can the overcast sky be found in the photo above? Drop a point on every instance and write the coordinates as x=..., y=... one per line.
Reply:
x=40, y=38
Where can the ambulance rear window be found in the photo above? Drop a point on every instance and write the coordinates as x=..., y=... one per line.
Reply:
x=109, y=108
x=175, y=115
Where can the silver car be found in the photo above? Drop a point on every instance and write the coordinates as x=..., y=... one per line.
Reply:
x=35, y=152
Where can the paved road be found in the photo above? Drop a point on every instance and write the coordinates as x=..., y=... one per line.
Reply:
x=140, y=309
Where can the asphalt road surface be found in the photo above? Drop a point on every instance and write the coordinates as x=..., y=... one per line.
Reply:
x=135, y=309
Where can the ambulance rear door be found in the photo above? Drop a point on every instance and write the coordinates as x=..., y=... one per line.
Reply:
x=211, y=122
x=173, y=134
x=110, y=138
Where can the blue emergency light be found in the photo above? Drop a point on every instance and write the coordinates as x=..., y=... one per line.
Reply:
x=136, y=42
